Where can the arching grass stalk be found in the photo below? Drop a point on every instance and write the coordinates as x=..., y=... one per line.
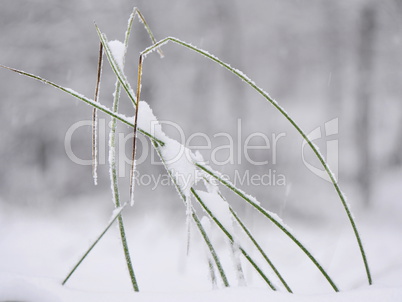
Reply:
x=248, y=81
x=112, y=163
x=124, y=83
x=230, y=237
x=195, y=218
x=112, y=145
x=102, y=108
x=120, y=117
x=106, y=110
x=245, y=254
x=274, y=220
x=112, y=135
x=259, y=248
x=251, y=237
x=211, y=249
x=112, y=220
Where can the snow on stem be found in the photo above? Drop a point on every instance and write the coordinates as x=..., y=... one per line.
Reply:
x=206, y=224
x=213, y=188
x=211, y=248
x=253, y=85
x=194, y=216
x=122, y=118
x=158, y=143
x=259, y=248
x=148, y=29
x=221, y=209
x=95, y=119
x=271, y=217
x=213, y=216
x=115, y=66
x=122, y=49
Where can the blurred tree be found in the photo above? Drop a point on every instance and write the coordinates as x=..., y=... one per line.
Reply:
x=364, y=94
x=396, y=156
x=336, y=56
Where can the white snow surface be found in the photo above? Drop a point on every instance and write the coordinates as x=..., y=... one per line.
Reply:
x=38, y=248
x=17, y=288
x=118, y=51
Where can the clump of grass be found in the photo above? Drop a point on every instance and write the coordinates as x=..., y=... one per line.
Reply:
x=161, y=143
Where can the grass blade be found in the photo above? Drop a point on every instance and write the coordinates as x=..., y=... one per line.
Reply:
x=78, y=96
x=148, y=29
x=196, y=220
x=274, y=220
x=123, y=81
x=248, y=81
x=259, y=248
x=155, y=141
x=112, y=220
x=112, y=162
x=230, y=237
x=120, y=117
x=211, y=248
x=115, y=66
x=248, y=233
x=95, y=120
x=137, y=105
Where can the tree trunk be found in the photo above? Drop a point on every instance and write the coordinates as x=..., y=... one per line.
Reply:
x=364, y=93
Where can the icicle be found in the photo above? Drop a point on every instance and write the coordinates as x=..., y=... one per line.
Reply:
x=112, y=166
x=206, y=224
x=95, y=119
x=132, y=181
x=189, y=213
x=237, y=264
x=95, y=146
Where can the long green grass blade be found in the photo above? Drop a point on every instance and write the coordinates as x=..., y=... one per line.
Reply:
x=211, y=248
x=113, y=167
x=116, y=215
x=231, y=238
x=196, y=220
x=122, y=79
x=259, y=248
x=317, y=153
x=120, y=117
x=253, y=240
x=95, y=118
x=274, y=220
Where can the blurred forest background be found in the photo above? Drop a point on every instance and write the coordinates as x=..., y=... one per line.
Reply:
x=319, y=59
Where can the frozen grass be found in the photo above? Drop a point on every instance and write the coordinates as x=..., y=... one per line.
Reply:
x=112, y=159
x=164, y=145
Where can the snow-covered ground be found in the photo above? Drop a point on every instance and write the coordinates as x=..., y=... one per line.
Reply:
x=39, y=246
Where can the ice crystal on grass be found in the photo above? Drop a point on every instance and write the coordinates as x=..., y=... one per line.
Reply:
x=218, y=207
x=118, y=50
x=179, y=160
